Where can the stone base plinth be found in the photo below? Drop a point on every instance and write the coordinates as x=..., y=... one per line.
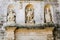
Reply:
x=34, y=34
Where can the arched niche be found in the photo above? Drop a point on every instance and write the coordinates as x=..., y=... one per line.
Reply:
x=11, y=15
x=29, y=14
x=47, y=13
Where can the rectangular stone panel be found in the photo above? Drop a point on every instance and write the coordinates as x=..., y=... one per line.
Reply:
x=34, y=34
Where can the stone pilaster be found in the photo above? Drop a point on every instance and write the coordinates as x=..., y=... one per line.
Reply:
x=10, y=33
x=34, y=34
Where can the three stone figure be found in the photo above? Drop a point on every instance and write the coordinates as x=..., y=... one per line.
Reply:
x=29, y=14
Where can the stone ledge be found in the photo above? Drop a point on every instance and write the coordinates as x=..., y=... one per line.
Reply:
x=42, y=26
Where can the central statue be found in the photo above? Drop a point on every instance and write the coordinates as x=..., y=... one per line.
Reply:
x=48, y=16
x=29, y=14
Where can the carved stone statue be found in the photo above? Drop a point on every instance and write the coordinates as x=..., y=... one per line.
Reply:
x=48, y=16
x=29, y=14
x=11, y=17
x=11, y=14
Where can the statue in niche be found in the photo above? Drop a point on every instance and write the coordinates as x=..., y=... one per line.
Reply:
x=11, y=15
x=47, y=13
x=29, y=14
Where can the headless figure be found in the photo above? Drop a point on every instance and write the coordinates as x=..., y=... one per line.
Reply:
x=11, y=16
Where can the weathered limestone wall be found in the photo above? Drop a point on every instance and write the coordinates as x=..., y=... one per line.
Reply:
x=34, y=34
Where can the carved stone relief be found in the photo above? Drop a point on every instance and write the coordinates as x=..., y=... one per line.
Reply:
x=29, y=14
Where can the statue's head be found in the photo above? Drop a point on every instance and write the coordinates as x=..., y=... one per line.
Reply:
x=11, y=7
x=29, y=8
x=48, y=6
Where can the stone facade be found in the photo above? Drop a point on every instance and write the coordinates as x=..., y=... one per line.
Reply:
x=23, y=20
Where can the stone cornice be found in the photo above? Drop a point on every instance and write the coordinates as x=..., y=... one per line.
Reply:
x=34, y=26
